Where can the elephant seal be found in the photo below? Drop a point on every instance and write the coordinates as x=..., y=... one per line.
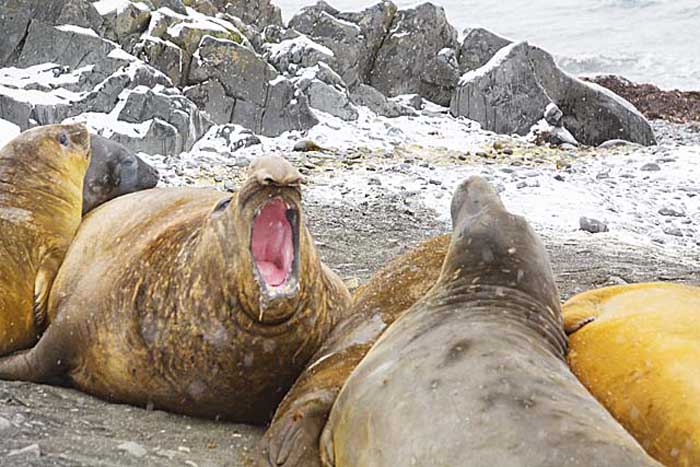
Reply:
x=637, y=349
x=292, y=439
x=114, y=171
x=41, y=181
x=196, y=302
x=474, y=374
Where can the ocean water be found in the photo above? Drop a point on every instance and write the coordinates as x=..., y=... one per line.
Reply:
x=655, y=41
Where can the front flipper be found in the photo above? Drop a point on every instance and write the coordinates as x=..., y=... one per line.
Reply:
x=292, y=440
x=42, y=287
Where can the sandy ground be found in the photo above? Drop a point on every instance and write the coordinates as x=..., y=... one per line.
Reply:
x=359, y=225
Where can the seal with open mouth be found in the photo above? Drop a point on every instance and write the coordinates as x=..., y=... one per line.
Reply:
x=192, y=301
x=41, y=183
x=474, y=373
x=292, y=439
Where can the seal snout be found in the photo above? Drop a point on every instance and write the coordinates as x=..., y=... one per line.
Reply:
x=275, y=171
x=472, y=196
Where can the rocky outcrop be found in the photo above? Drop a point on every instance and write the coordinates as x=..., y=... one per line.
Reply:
x=260, y=13
x=378, y=103
x=263, y=101
x=512, y=91
x=478, y=46
x=354, y=38
x=326, y=92
x=417, y=56
x=16, y=16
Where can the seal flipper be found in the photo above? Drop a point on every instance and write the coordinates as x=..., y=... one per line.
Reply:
x=41, y=364
x=42, y=286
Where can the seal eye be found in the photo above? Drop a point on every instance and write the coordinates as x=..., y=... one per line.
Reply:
x=63, y=139
x=223, y=204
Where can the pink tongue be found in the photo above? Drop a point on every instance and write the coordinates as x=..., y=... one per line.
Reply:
x=272, y=243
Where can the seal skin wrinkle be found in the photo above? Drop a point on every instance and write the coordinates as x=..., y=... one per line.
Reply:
x=295, y=431
x=41, y=184
x=114, y=171
x=474, y=373
x=188, y=302
x=636, y=347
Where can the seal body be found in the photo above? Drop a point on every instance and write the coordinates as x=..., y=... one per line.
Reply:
x=196, y=302
x=474, y=373
x=41, y=182
x=114, y=171
x=637, y=349
x=293, y=437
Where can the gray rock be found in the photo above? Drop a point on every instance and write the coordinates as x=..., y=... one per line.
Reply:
x=650, y=167
x=614, y=143
x=592, y=113
x=353, y=37
x=671, y=212
x=64, y=46
x=409, y=60
x=265, y=102
x=16, y=15
x=135, y=449
x=378, y=103
x=176, y=5
x=592, y=225
x=123, y=24
x=290, y=55
x=510, y=93
x=232, y=137
x=477, y=48
x=330, y=97
x=164, y=56
x=504, y=95
x=673, y=231
x=553, y=115
x=145, y=104
x=259, y=13
x=211, y=97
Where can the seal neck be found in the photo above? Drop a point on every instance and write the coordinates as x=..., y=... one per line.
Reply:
x=503, y=302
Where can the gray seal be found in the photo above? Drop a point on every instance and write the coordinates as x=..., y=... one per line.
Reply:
x=474, y=373
x=114, y=171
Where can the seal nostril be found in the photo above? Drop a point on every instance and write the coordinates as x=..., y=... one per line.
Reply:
x=268, y=181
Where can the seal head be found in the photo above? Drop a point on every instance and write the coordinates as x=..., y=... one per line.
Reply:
x=114, y=171
x=268, y=218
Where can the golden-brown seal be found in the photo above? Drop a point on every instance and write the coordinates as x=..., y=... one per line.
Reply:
x=192, y=300
x=41, y=184
x=636, y=347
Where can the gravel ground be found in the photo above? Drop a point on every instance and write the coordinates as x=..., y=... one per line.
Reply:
x=361, y=217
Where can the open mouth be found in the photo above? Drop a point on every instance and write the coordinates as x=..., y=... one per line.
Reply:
x=273, y=242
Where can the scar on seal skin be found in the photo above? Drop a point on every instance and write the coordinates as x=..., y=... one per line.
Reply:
x=196, y=302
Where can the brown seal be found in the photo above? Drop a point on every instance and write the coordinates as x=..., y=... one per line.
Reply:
x=192, y=300
x=292, y=438
x=474, y=373
x=41, y=183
